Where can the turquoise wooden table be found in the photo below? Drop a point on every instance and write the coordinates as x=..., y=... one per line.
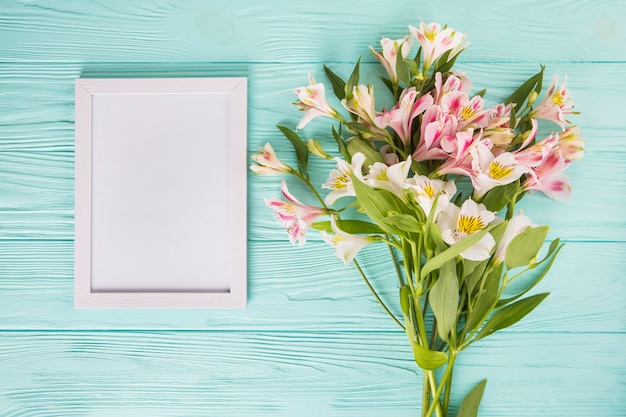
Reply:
x=313, y=341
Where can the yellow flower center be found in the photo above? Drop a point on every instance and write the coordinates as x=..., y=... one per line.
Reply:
x=557, y=99
x=467, y=113
x=469, y=224
x=429, y=191
x=341, y=182
x=497, y=171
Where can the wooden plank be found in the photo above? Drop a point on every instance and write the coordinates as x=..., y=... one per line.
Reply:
x=36, y=150
x=304, y=374
x=304, y=288
x=278, y=31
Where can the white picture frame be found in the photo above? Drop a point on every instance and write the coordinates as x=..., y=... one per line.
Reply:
x=160, y=193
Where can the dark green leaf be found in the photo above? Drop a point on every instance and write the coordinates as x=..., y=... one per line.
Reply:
x=444, y=299
x=524, y=247
x=339, y=85
x=353, y=81
x=443, y=65
x=511, y=314
x=350, y=226
x=341, y=144
x=413, y=67
x=437, y=261
x=302, y=152
x=419, y=169
x=497, y=198
x=482, y=92
x=469, y=406
x=520, y=95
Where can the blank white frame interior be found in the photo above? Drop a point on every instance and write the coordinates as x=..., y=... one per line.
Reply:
x=160, y=193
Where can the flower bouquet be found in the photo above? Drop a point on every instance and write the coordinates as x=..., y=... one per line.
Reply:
x=435, y=177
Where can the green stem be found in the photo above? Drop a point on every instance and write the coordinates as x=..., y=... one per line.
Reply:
x=421, y=327
x=376, y=295
x=425, y=394
x=395, y=264
x=308, y=183
x=446, y=394
x=446, y=377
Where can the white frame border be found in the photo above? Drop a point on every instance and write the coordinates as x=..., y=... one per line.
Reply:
x=84, y=297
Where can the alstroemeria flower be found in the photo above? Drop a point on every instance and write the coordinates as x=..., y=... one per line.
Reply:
x=340, y=179
x=436, y=125
x=362, y=103
x=571, y=144
x=458, y=149
x=268, y=162
x=296, y=217
x=401, y=117
x=457, y=223
x=548, y=177
x=515, y=226
x=389, y=56
x=312, y=100
x=347, y=245
x=390, y=178
x=490, y=171
x=555, y=105
x=435, y=42
x=426, y=191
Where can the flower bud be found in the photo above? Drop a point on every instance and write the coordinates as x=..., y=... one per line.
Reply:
x=316, y=149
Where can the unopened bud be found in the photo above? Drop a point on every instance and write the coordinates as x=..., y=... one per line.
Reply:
x=532, y=97
x=316, y=149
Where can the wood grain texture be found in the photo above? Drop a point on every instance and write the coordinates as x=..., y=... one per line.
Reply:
x=313, y=342
x=286, y=31
x=294, y=374
x=304, y=289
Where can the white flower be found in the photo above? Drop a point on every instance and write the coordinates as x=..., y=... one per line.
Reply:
x=426, y=190
x=390, y=178
x=457, y=223
x=490, y=171
x=347, y=245
x=340, y=179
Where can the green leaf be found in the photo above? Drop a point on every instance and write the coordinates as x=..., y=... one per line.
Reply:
x=444, y=299
x=341, y=144
x=485, y=299
x=428, y=359
x=524, y=247
x=405, y=294
x=372, y=156
x=419, y=169
x=555, y=248
x=497, y=198
x=302, y=152
x=520, y=95
x=353, y=81
x=377, y=204
x=443, y=65
x=511, y=314
x=482, y=92
x=412, y=66
x=339, y=85
x=401, y=69
x=469, y=406
x=350, y=226
x=437, y=261
x=403, y=223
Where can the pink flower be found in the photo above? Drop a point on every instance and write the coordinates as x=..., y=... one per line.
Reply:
x=490, y=171
x=555, y=105
x=548, y=178
x=312, y=100
x=435, y=42
x=436, y=125
x=295, y=216
x=268, y=162
x=458, y=149
x=389, y=56
x=401, y=117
